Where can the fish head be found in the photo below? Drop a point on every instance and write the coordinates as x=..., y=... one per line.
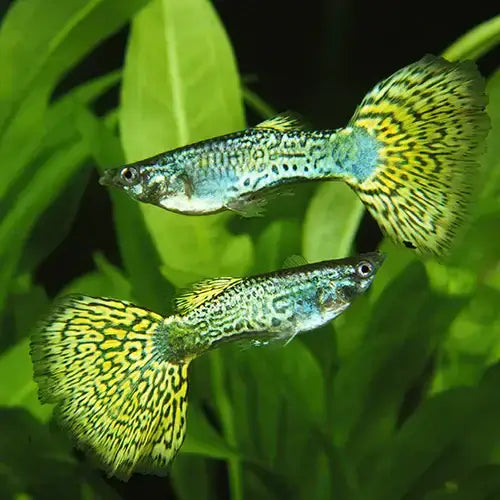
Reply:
x=348, y=278
x=150, y=181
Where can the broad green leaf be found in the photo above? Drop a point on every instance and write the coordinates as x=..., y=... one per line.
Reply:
x=265, y=484
x=481, y=484
x=371, y=385
x=193, y=477
x=21, y=135
x=53, y=224
x=472, y=344
x=60, y=124
x=105, y=281
x=27, y=302
x=202, y=439
x=478, y=446
x=60, y=131
x=490, y=178
x=351, y=326
x=21, y=391
x=34, y=199
x=35, y=463
x=197, y=247
x=180, y=85
x=331, y=222
x=475, y=42
x=140, y=257
x=32, y=65
x=439, y=423
x=278, y=241
x=317, y=482
x=322, y=343
x=277, y=398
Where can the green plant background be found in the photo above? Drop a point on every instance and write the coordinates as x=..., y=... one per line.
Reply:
x=400, y=398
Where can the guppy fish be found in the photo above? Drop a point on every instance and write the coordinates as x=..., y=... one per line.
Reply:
x=410, y=153
x=118, y=373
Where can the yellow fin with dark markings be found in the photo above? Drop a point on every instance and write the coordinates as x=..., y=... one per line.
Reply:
x=202, y=292
x=430, y=122
x=283, y=122
x=115, y=390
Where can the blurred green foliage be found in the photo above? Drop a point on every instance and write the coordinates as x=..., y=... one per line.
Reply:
x=399, y=399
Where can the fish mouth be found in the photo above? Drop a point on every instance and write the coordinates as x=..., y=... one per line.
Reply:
x=106, y=178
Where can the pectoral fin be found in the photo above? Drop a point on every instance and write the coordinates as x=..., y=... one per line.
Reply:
x=248, y=205
x=253, y=204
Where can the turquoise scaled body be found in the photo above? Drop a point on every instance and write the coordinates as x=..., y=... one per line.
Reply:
x=232, y=172
x=268, y=307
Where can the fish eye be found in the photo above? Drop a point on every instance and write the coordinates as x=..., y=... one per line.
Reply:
x=365, y=269
x=129, y=175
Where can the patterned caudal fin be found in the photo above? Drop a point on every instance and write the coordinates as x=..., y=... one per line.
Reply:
x=115, y=392
x=430, y=121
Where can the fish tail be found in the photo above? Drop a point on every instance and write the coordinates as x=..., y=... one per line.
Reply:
x=430, y=123
x=115, y=390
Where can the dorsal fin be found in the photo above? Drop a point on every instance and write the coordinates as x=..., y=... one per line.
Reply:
x=202, y=292
x=283, y=122
x=294, y=261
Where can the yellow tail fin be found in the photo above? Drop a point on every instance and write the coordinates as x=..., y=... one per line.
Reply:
x=430, y=121
x=116, y=393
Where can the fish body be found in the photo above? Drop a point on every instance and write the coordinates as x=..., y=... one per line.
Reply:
x=410, y=152
x=236, y=171
x=268, y=307
x=117, y=373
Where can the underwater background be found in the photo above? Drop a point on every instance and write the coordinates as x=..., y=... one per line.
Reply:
x=398, y=398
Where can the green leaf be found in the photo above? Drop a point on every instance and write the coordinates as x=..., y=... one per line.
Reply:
x=34, y=199
x=193, y=477
x=140, y=258
x=35, y=463
x=228, y=422
x=277, y=399
x=370, y=386
x=439, y=423
x=20, y=137
x=180, y=85
x=60, y=132
x=490, y=177
x=106, y=281
x=27, y=303
x=472, y=344
x=21, y=391
x=331, y=222
x=202, y=439
x=481, y=484
x=476, y=42
x=45, y=235
x=258, y=104
x=279, y=240
x=60, y=124
x=32, y=65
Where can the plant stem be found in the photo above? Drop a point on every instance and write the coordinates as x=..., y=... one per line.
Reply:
x=257, y=103
x=226, y=414
x=475, y=42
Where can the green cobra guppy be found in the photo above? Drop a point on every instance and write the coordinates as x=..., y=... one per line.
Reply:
x=410, y=153
x=118, y=373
